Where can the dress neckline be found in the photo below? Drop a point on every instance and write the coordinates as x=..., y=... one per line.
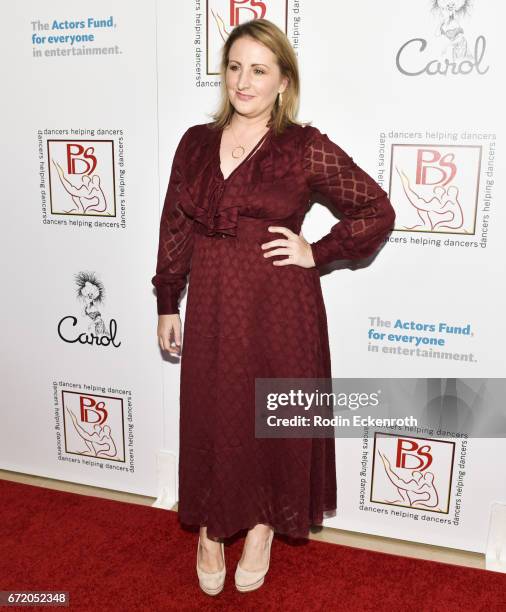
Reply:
x=259, y=143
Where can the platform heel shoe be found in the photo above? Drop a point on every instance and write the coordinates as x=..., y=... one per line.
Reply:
x=249, y=581
x=211, y=582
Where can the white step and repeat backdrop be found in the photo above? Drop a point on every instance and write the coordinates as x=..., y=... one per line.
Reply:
x=95, y=100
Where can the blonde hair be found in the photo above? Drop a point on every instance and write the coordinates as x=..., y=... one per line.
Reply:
x=268, y=34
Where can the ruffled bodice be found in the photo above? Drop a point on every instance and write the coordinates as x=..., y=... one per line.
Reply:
x=215, y=202
x=215, y=217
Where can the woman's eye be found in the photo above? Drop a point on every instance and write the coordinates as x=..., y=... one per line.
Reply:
x=257, y=70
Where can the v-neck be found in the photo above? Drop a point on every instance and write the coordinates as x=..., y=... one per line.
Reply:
x=250, y=154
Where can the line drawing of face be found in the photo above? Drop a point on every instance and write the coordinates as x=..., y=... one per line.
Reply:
x=452, y=6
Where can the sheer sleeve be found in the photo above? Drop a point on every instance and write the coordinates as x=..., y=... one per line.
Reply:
x=175, y=240
x=368, y=215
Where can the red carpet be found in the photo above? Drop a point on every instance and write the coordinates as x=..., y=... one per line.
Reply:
x=118, y=556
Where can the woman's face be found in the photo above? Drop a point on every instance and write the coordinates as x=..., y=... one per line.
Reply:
x=253, y=77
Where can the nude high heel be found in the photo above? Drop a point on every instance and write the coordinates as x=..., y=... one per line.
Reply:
x=249, y=581
x=211, y=582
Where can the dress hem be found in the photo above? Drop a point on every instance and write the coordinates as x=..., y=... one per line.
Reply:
x=327, y=512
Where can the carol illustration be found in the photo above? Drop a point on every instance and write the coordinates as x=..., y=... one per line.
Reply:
x=91, y=292
x=88, y=197
x=450, y=13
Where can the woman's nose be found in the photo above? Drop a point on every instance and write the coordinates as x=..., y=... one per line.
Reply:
x=243, y=81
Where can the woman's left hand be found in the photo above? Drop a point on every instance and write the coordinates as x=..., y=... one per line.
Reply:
x=296, y=247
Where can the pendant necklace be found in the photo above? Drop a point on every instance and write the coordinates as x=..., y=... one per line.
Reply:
x=239, y=150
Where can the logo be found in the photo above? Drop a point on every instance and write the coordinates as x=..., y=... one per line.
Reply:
x=412, y=472
x=223, y=15
x=81, y=177
x=450, y=50
x=94, y=425
x=91, y=326
x=435, y=187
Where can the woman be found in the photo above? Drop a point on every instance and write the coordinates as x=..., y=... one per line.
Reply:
x=239, y=189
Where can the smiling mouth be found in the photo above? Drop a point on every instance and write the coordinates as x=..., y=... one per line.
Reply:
x=244, y=96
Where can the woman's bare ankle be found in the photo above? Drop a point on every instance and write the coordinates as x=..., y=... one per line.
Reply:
x=208, y=544
x=260, y=530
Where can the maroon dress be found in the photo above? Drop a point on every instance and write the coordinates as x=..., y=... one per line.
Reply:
x=247, y=318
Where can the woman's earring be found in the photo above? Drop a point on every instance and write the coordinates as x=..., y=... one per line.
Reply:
x=280, y=98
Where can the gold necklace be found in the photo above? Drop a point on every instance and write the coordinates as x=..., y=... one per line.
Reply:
x=239, y=150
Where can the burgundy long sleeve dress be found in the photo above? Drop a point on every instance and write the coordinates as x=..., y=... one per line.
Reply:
x=247, y=318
